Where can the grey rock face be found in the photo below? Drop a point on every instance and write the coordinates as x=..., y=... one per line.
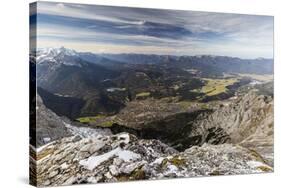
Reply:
x=247, y=121
x=49, y=126
x=119, y=158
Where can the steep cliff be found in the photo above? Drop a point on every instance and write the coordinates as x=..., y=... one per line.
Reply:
x=248, y=121
x=49, y=126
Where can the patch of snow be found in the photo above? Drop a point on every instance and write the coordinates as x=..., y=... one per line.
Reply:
x=87, y=132
x=112, y=89
x=58, y=56
x=42, y=147
x=171, y=169
x=255, y=82
x=256, y=164
x=125, y=137
x=47, y=139
x=128, y=155
x=92, y=180
x=60, y=95
x=158, y=160
x=93, y=162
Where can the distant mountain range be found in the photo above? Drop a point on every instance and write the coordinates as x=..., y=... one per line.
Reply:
x=89, y=78
x=222, y=63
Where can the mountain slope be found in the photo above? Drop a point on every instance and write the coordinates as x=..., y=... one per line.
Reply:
x=248, y=121
x=62, y=105
x=72, y=80
x=49, y=126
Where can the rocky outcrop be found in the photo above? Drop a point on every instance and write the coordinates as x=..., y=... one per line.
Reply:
x=123, y=157
x=49, y=126
x=248, y=121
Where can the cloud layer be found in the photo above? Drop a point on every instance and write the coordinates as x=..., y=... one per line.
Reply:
x=135, y=30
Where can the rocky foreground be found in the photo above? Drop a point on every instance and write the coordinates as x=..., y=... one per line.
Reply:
x=123, y=157
x=235, y=139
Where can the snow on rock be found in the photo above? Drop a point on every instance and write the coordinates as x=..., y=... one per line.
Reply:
x=111, y=157
x=86, y=131
x=57, y=56
x=258, y=165
x=171, y=169
x=128, y=156
x=44, y=147
x=93, y=162
x=158, y=160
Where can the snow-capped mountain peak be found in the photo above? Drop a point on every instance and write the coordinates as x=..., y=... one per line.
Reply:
x=66, y=51
x=57, y=55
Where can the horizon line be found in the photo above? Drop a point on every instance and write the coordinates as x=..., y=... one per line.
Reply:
x=124, y=53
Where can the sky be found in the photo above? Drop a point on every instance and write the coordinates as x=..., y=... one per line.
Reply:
x=107, y=29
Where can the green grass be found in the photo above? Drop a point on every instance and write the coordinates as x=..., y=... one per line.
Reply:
x=100, y=120
x=143, y=94
x=215, y=86
x=106, y=123
x=90, y=119
x=177, y=161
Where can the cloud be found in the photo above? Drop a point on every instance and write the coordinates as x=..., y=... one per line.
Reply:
x=80, y=12
x=153, y=30
x=48, y=31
